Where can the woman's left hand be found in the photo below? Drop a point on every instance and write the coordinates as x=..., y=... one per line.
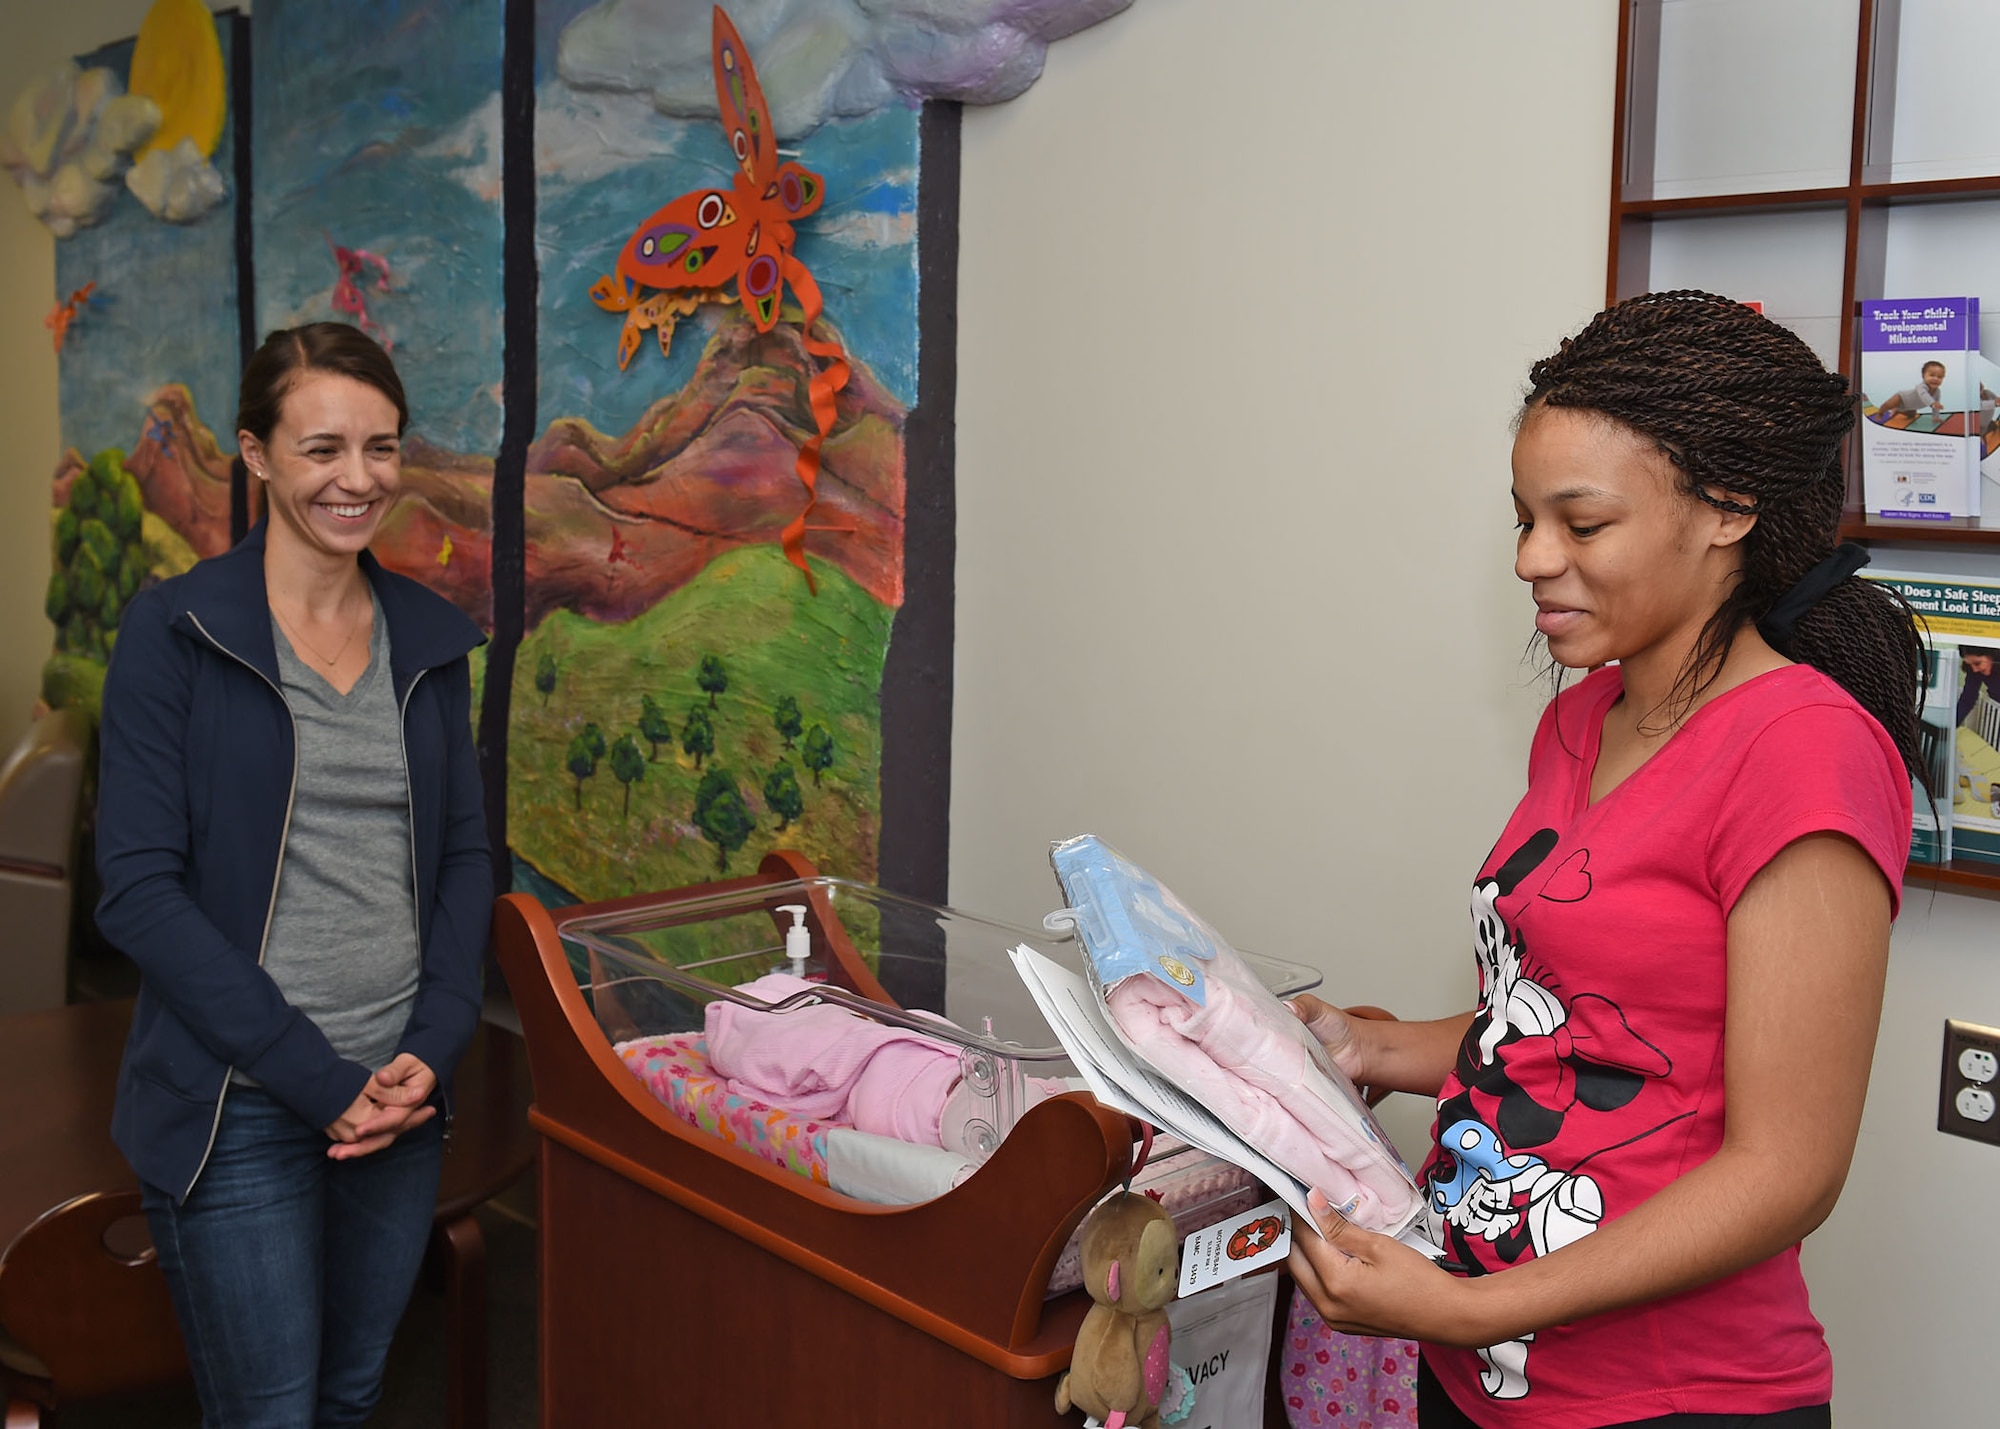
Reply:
x=1362, y=1283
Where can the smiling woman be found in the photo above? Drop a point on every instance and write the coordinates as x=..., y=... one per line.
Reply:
x=293, y=849
x=321, y=427
x=1701, y=876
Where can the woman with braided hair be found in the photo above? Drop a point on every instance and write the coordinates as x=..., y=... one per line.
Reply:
x=1700, y=877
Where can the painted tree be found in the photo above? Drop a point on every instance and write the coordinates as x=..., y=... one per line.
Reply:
x=712, y=677
x=698, y=735
x=582, y=761
x=629, y=766
x=654, y=726
x=782, y=795
x=817, y=754
x=100, y=557
x=545, y=677
x=721, y=815
x=594, y=737
x=786, y=720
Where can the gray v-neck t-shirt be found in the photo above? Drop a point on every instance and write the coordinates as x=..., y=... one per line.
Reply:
x=342, y=945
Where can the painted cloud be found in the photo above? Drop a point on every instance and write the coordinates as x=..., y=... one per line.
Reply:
x=824, y=59
x=176, y=184
x=68, y=138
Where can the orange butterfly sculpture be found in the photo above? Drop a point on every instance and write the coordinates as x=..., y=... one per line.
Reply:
x=741, y=235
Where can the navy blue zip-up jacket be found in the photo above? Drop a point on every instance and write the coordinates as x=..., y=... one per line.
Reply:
x=197, y=760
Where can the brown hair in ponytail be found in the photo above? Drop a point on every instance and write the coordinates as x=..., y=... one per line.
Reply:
x=1741, y=406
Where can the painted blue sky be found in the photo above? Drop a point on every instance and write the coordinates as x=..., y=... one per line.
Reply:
x=606, y=160
x=164, y=311
x=366, y=123
x=860, y=246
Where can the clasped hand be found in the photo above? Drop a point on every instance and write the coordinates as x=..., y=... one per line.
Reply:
x=393, y=1102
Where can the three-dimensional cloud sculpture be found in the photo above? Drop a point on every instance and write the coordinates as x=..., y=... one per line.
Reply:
x=829, y=60
x=69, y=137
x=73, y=133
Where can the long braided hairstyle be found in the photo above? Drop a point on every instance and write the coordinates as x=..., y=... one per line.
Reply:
x=1752, y=421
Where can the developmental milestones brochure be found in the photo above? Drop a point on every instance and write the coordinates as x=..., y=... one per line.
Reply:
x=1921, y=438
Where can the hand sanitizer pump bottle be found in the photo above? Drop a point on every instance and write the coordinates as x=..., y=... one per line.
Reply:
x=798, y=938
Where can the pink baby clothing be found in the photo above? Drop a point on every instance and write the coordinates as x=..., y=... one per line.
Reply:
x=826, y=1063
x=1245, y=1056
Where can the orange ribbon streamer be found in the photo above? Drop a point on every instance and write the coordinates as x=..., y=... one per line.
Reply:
x=825, y=383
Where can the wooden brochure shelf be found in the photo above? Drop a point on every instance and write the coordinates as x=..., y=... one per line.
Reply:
x=1958, y=876
x=1959, y=531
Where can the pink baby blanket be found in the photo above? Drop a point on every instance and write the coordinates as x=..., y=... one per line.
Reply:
x=825, y=1062
x=676, y=1070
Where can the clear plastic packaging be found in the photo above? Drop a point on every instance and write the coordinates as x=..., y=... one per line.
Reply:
x=1197, y=1012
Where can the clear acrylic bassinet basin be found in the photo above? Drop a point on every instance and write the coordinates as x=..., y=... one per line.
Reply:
x=651, y=966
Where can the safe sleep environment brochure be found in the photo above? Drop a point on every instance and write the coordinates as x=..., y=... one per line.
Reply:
x=1961, y=717
x=1921, y=430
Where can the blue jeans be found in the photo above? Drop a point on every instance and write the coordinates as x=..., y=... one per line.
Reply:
x=288, y=1270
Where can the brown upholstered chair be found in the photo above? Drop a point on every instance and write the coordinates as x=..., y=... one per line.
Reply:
x=41, y=787
x=87, y=1314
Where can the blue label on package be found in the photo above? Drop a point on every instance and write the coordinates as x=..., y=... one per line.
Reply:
x=1128, y=923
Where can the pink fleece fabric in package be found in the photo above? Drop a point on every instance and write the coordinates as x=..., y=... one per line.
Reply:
x=1248, y=1059
x=1189, y=1005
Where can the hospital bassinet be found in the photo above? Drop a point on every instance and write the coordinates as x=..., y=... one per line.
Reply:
x=684, y=1271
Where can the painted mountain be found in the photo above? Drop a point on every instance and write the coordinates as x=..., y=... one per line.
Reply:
x=682, y=703
x=614, y=525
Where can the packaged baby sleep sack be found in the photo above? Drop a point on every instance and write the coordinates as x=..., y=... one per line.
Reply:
x=1187, y=1005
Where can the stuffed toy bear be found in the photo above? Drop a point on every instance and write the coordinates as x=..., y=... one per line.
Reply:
x=1119, y=1372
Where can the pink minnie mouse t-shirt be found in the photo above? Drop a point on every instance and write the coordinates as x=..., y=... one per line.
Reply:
x=1592, y=1073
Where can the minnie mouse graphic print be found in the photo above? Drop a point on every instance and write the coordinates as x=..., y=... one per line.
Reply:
x=1592, y=1075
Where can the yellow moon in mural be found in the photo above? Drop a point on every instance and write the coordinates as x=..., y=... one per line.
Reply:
x=177, y=63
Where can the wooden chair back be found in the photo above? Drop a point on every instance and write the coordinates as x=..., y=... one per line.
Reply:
x=90, y=1308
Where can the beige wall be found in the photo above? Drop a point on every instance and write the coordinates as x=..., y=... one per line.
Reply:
x=1246, y=295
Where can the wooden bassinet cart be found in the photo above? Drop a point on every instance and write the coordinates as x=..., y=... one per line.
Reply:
x=681, y=1274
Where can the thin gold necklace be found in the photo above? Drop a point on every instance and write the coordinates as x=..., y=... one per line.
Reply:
x=299, y=641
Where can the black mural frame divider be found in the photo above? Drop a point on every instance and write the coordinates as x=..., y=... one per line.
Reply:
x=916, y=680
x=915, y=853
x=247, y=337
x=521, y=286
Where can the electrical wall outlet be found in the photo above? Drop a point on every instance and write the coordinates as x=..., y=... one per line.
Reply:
x=1969, y=1091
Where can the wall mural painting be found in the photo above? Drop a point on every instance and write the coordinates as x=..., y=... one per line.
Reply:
x=698, y=558
x=700, y=679
x=127, y=157
x=376, y=200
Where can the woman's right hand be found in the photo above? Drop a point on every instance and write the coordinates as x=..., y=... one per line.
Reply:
x=368, y=1125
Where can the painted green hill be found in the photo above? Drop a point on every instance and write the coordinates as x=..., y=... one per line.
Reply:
x=750, y=609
